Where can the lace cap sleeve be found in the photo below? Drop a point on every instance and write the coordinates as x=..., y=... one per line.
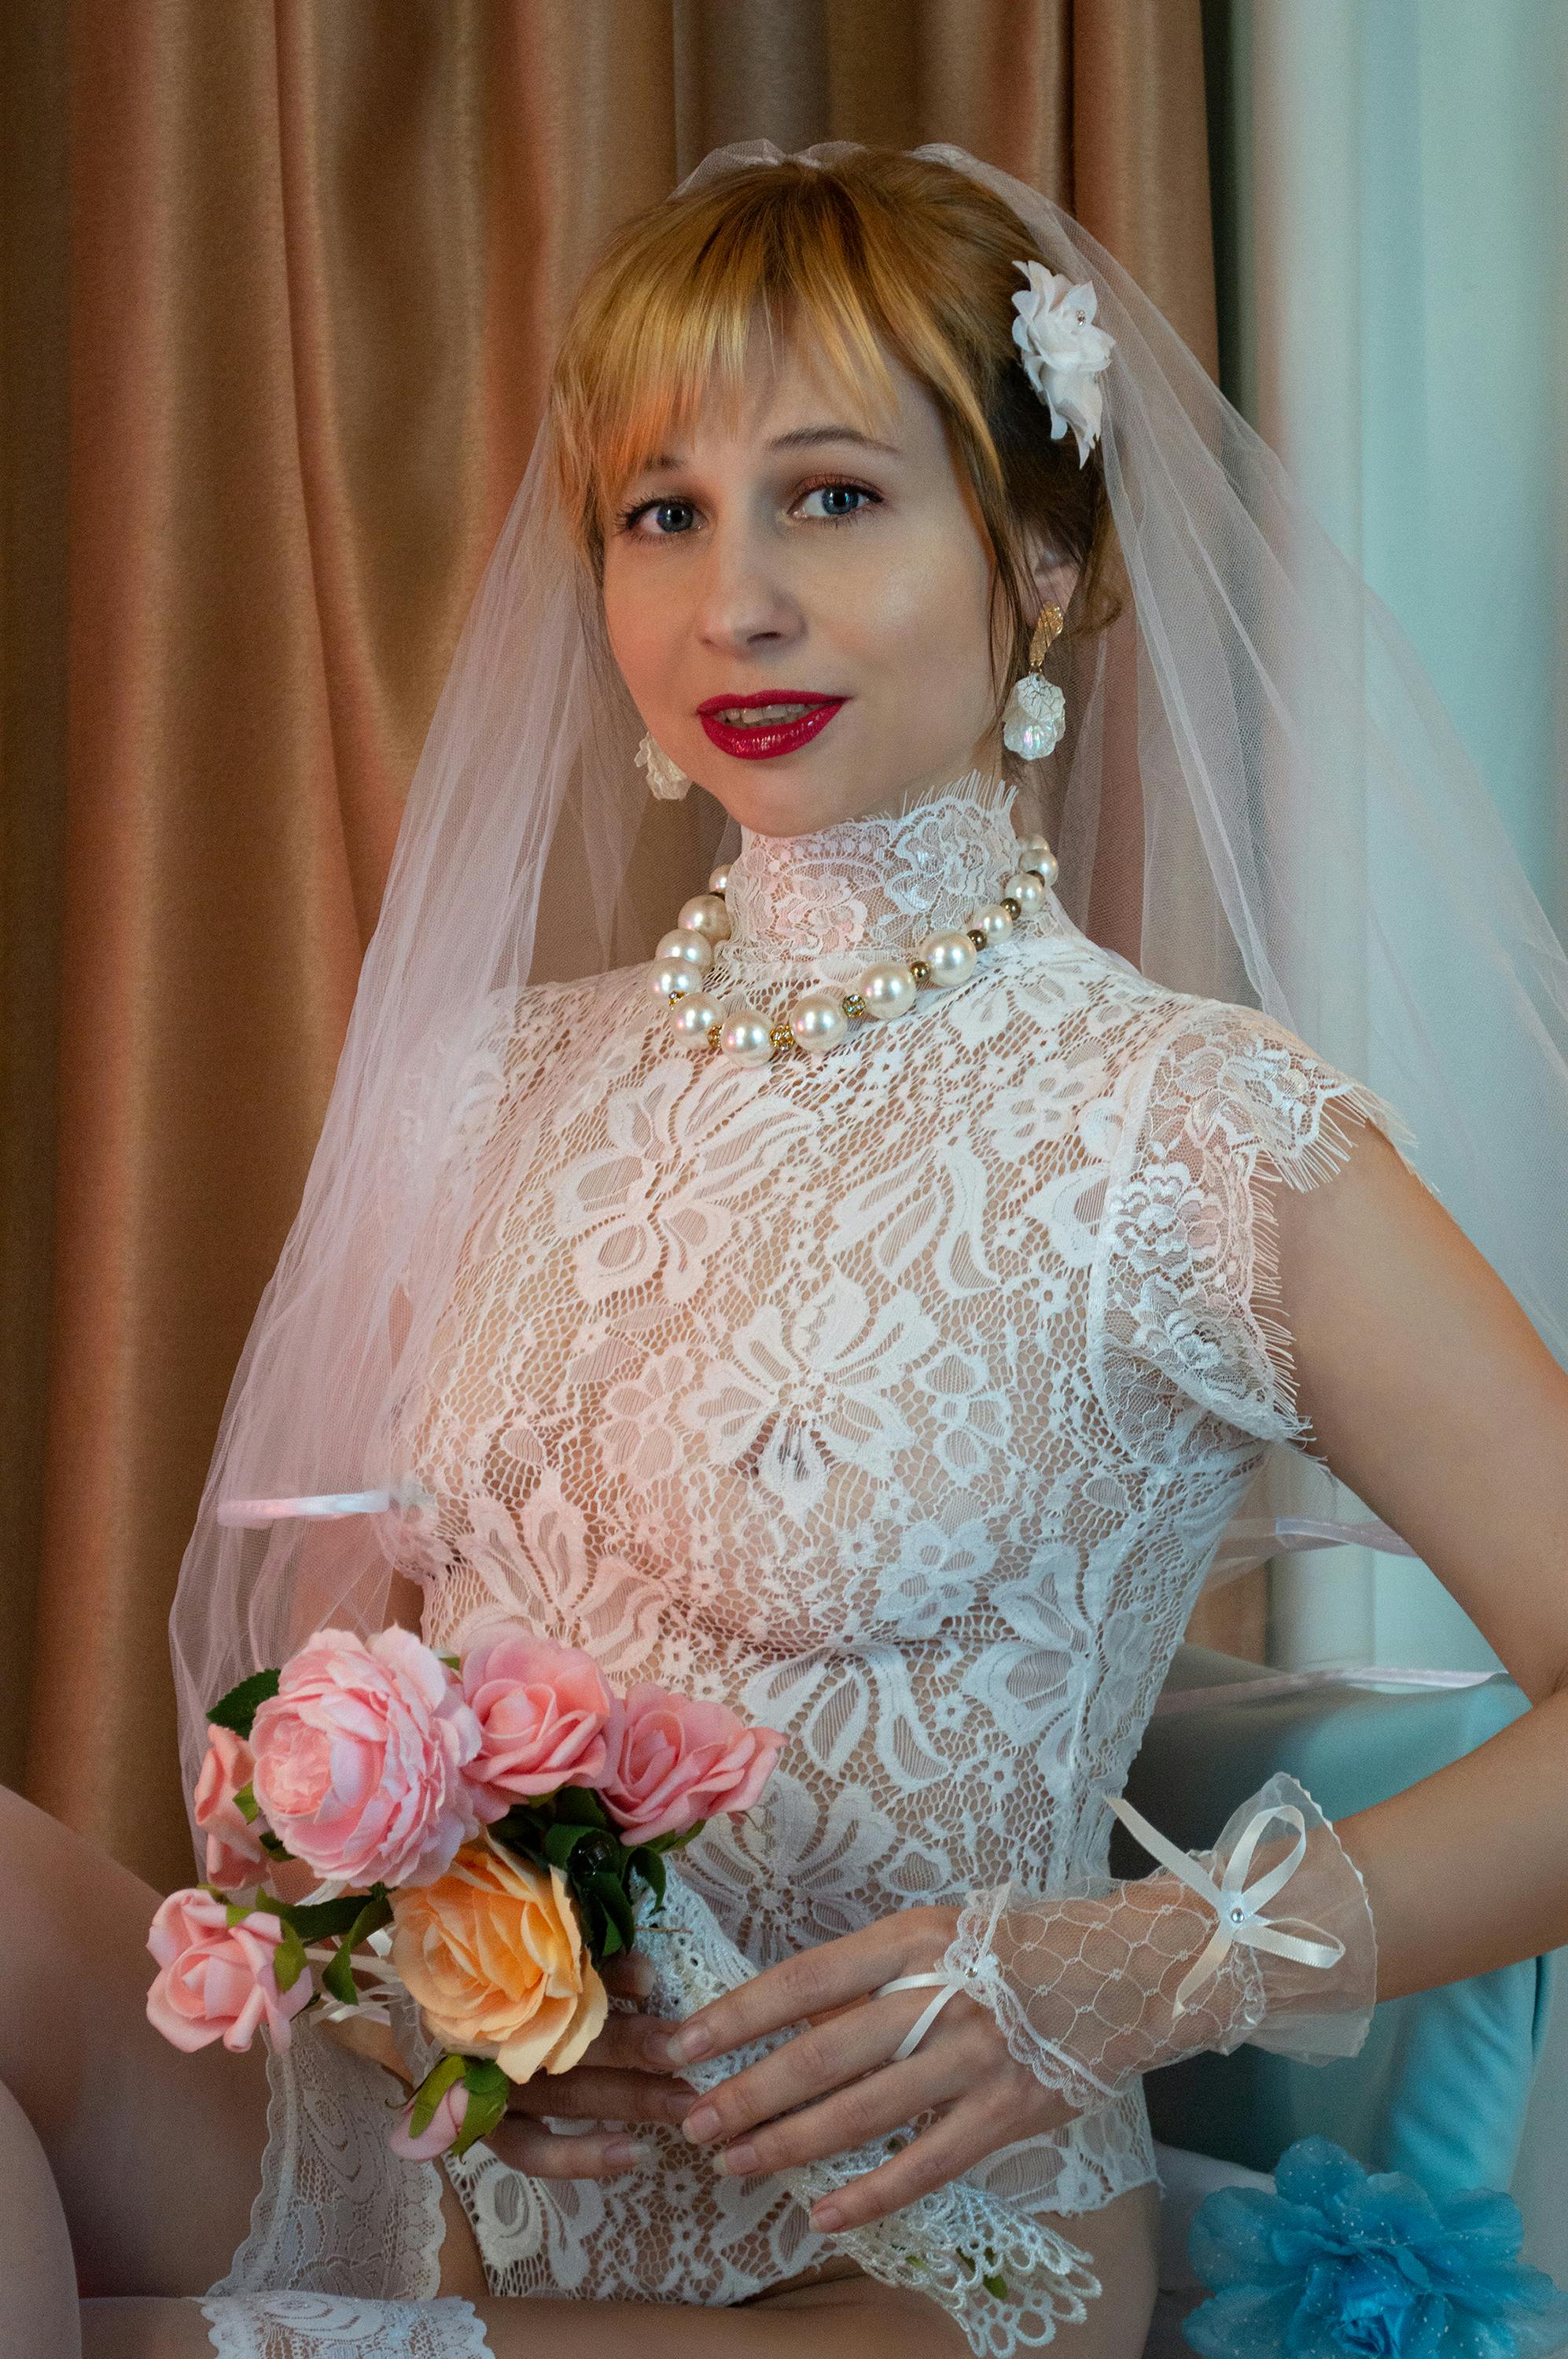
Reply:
x=445, y=1101
x=1186, y=1332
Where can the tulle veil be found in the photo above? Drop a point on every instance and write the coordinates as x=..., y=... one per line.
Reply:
x=1315, y=841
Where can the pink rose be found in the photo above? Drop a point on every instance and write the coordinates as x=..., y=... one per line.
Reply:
x=359, y=1756
x=674, y=1760
x=218, y=1981
x=445, y=2125
x=233, y=1850
x=541, y=1710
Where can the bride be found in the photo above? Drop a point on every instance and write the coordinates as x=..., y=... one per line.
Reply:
x=870, y=1312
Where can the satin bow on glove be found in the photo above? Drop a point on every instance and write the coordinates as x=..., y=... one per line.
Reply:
x=1093, y=1988
x=1065, y=2000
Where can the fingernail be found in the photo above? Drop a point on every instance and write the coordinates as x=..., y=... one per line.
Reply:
x=826, y=2215
x=736, y=2160
x=702, y=2122
x=623, y=2151
x=688, y=2044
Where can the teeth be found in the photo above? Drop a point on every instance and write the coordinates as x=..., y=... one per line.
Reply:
x=739, y=716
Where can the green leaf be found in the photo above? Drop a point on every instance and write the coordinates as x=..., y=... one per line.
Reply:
x=995, y=2286
x=247, y=1806
x=488, y=2090
x=325, y=1920
x=272, y=1847
x=237, y=1709
x=338, y=1977
x=288, y=1962
x=649, y=1865
x=235, y=1913
x=579, y=1806
x=561, y=1840
x=431, y=2089
x=520, y=1824
x=610, y=1942
x=597, y=1853
x=609, y=1894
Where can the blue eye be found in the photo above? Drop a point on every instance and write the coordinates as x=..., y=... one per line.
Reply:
x=857, y=492
x=630, y=520
x=663, y=508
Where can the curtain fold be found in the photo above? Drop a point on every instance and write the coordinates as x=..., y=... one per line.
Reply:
x=318, y=254
x=33, y=480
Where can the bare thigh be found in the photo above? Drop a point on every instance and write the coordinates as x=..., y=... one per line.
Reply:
x=156, y=2156
x=843, y=2316
x=37, y=2314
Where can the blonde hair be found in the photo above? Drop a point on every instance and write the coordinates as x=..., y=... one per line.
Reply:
x=880, y=252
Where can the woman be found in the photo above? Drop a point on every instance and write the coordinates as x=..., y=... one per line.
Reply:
x=871, y=1312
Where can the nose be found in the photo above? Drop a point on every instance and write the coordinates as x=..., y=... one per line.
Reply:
x=744, y=601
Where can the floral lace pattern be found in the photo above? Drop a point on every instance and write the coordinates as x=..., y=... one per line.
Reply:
x=337, y=2213
x=865, y=889
x=330, y=2326
x=899, y=1397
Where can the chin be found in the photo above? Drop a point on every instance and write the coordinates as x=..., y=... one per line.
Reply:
x=786, y=800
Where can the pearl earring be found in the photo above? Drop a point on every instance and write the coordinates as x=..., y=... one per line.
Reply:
x=1037, y=710
x=663, y=779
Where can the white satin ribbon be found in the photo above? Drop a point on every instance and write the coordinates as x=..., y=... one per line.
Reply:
x=1237, y=1906
x=248, y=1512
x=945, y=1984
x=1272, y=1684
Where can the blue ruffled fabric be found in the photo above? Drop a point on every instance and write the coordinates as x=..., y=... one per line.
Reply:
x=1342, y=2259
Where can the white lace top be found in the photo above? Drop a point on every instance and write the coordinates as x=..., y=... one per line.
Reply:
x=897, y=1397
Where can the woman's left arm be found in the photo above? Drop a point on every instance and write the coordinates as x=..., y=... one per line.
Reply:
x=1432, y=1395
x=1429, y=1392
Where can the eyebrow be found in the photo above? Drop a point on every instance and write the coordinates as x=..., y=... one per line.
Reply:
x=800, y=437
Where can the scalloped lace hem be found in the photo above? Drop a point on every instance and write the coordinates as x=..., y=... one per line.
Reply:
x=334, y=2326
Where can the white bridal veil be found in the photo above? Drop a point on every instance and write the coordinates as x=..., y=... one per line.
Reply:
x=1314, y=840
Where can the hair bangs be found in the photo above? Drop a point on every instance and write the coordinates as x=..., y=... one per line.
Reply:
x=672, y=323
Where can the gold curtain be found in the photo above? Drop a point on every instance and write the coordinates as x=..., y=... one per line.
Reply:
x=280, y=285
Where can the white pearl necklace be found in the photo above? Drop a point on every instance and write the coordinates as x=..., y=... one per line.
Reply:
x=819, y=1019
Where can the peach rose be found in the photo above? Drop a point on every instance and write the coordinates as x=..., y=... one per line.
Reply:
x=492, y=1955
x=219, y=1981
x=674, y=1760
x=359, y=1756
x=541, y=1711
x=234, y=1855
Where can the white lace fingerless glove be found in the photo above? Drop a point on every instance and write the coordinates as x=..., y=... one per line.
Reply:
x=1269, y=1938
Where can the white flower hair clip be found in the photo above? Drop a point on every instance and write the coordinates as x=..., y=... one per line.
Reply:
x=1062, y=351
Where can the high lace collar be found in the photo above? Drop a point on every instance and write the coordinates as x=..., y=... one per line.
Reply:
x=870, y=887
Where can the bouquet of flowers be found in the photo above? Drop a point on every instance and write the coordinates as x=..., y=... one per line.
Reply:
x=484, y=1831
x=481, y=1829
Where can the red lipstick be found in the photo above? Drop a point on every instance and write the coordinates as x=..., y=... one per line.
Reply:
x=759, y=741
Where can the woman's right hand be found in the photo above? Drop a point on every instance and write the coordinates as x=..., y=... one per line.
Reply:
x=621, y=2079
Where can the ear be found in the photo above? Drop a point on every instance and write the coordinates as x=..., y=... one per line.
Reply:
x=1055, y=578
